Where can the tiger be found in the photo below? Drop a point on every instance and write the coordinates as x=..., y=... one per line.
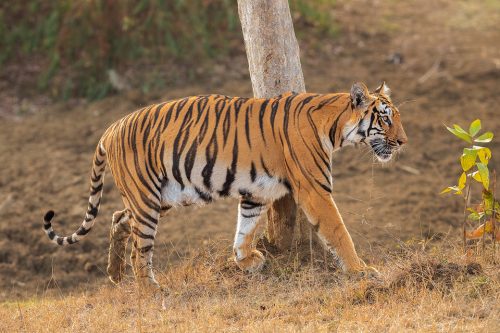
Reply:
x=195, y=150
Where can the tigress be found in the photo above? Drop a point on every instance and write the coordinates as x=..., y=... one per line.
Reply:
x=198, y=149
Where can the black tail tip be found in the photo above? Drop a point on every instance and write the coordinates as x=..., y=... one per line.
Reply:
x=48, y=216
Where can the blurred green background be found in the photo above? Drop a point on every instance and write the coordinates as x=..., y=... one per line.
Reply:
x=81, y=47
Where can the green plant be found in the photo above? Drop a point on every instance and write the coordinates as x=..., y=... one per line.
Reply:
x=474, y=162
x=76, y=43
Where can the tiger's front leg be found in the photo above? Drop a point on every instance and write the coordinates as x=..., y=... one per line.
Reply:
x=249, y=218
x=324, y=215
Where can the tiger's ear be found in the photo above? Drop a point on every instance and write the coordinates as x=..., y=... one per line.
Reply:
x=383, y=89
x=360, y=95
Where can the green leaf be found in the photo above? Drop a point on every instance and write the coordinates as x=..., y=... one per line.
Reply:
x=460, y=134
x=472, y=210
x=449, y=189
x=485, y=137
x=485, y=175
x=468, y=158
x=487, y=200
x=474, y=217
x=474, y=127
x=446, y=190
x=488, y=227
x=484, y=154
x=476, y=176
x=462, y=180
x=460, y=129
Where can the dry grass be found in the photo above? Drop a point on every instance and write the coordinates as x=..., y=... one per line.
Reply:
x=420, y=292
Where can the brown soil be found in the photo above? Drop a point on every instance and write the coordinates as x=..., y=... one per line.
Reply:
x=440, y=58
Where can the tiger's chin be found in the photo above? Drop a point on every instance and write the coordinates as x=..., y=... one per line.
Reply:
x=382, y=150
x=383, y=157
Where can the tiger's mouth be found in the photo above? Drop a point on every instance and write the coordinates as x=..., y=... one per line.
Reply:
x=382, y=150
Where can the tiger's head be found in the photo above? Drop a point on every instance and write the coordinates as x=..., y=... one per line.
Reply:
x=376, y=121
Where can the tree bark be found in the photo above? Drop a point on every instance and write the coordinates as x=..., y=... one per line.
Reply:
x=274, y=64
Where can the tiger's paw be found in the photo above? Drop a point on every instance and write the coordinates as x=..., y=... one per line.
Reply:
x=253, y=263
x=367, y=272
x=116, y=262
x=149, y=285
x=115, y=275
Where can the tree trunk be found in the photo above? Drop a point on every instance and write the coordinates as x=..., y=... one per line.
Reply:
x=274, y=63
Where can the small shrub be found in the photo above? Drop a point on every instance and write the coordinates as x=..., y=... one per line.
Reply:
x=474, y=163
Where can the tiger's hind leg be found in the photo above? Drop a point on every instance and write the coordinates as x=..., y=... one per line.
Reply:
x=119, y=235
x=249, y=217
x=133, y=254
x=144, y=226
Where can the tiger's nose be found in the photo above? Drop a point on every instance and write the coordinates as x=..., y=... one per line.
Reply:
x=402, y=141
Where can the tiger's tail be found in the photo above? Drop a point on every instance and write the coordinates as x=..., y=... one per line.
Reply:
x=96, y=184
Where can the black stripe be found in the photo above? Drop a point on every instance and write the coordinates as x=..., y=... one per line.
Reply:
x=162, y=154
x=253, y=172
x=180, y=106
x=97, y=162
x=247, y=125
x=324, y=187
x=266, y=170
x=143, y=221
x=274, y=109
x=176, y=149
x=49, y=216
x=95, y=190
x=226, y=125
x=82, y=231
x=250, y=216
x=333, y=130
x=139, y=233
x=211, y=155
x=144, y=115
x=93, y=210
x=95, y=178
x=203, y=196
x=138, y=164
x=247, y=204
x=190, y=158
x=287, y=184
x=262, y=111
x=71, y=241
x=230, y=174
x=144, y=249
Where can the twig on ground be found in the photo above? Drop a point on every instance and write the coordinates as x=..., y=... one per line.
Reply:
x=408, y=169
x=432, y=71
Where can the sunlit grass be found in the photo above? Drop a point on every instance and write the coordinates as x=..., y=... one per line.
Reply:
x=420, y=292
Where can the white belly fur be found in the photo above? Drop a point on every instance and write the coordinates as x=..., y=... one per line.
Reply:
x=263, y=189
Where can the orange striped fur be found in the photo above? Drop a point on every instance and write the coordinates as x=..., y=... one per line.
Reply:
x=197, y=149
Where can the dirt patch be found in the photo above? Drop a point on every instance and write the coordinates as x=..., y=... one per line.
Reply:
x=446, y=71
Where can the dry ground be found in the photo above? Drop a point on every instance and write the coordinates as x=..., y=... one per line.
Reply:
x=422, y=292
x=450, y=72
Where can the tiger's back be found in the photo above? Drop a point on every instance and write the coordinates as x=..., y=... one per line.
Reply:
x=201, y=148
